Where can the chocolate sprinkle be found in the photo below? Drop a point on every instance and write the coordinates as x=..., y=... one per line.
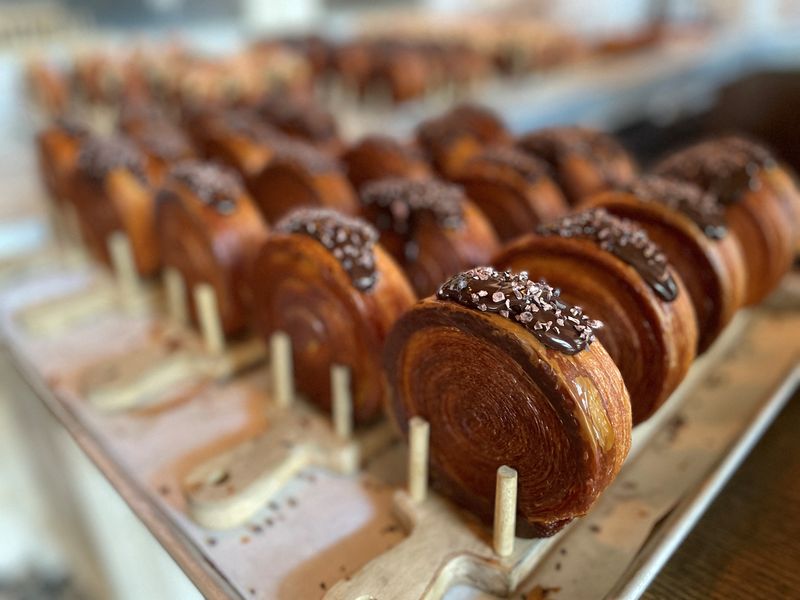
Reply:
x=684, y=197
x=725, y=167
x=622, y=238
x=400, y=203
x=215, y=185
x=99, y=156
x=351, y=241
x=535, y=306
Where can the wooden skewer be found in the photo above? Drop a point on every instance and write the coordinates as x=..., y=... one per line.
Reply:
x=419, y=440
x=280, y=346
x=124, y=265
x=342, y=400
x=205, y=300
x=505, y=510
x=176, y=295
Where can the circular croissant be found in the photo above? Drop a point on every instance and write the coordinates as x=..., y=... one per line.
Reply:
x=210, y=230
x=650, y=328
x=378, y=156
x=584, y=161
x=512, y=189
x=322, y=279
x=429, y=227
x=300, y=175
x=758, y=197
x=111, y=192
x=500, y=385
x=57, y=153
x=689, y=227
x=453, y=138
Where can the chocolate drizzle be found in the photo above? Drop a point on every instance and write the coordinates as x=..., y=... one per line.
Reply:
x=623, y=239
x=726, y=167
x=99, y=156
x=400, y=203
x=215, y=185
x=684, y=197
x=535, y=306
x=351, y=241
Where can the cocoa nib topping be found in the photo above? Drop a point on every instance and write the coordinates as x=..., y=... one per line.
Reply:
x=215, y=185
x=351, y=241
x=99, y=156
x=526, y=165
x=684, y=197
x=623, y=239
x=725, y=167
x=535, y=306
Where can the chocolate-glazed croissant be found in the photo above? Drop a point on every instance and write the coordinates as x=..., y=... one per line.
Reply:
x=210, y=231
x=301, y=119
x=300, y=175
x=163, y=145
x=507, y=373
x=453, y=138
x=323, y=279
x=512, y=189
x=57, y=153
x=758, y=197
x=584, y=161
x=689, y=226
x=378, y=156
x=430, y=228
x=613, y=270
x=111, y=191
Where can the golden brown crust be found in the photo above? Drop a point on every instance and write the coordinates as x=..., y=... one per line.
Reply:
x=712, y=270
x=652, y=341
x=299, y=175
x=207, y=246
x=57, y=153
x=301, y=289
x=494, y=395
x=376, y=157
x=515, y=198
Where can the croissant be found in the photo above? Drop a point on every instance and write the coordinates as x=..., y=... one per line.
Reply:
x=210, y=231
x=453, y=138
x=758, y=197
x=111, y=191
x=514, y=190
x=323, y=279
x=135, y=116
x=689, y=226
x=57, y=153
x=301, y=119
x=507, y=373
x=300, y=175
x=611, y=268
x=379, y=156
x=429, y=227
x=584, y=161
x=163, y=145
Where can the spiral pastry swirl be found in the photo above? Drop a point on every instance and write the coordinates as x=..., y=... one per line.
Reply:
x=322, y=279
x=495, y=394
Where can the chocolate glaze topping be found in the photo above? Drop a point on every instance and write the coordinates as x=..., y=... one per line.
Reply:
x=623, y=239
x=726, y=167
x=300, y=118
x=247, y=124
x=684, y=197
x=166, y=142
x=506, y=156
x=215, y=185
x=98, y=156
x=351, y=241
x=535, y=306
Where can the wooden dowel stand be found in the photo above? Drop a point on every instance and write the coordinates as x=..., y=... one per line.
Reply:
x=281, y=370
x=124, y=266
x=505, y=511
x=175, y=288
x=205, y=299
x=419, y=440
x=342, y=401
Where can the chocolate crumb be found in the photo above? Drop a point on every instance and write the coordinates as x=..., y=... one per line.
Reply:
x=535, y=306
x=622, y=238
x=350, y=240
